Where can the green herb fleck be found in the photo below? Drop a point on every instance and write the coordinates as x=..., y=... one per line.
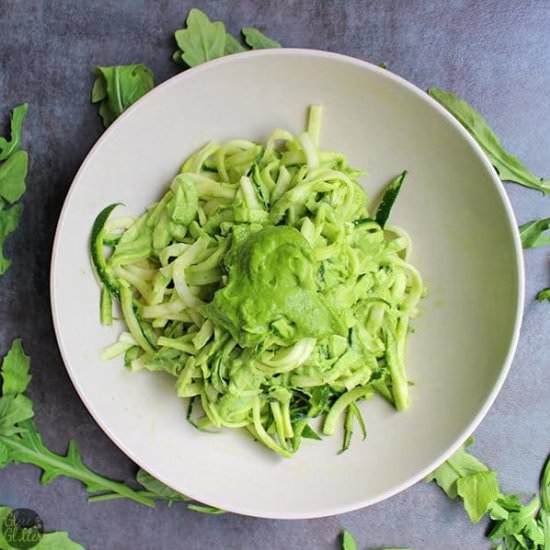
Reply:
x=388, y=200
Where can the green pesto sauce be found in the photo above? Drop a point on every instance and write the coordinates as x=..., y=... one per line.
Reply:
x=271, y=295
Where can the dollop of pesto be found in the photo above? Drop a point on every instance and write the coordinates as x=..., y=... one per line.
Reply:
x=271, y=296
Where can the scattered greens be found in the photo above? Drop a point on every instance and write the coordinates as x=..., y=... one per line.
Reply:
x=261, y=285
x=348, y=542
x=543, y=295
x=508, y=167
x=532, y=236
x=13, y=173
x=532, y=233
x=48, y=541
x=465, y=475
x=158, y=491
x=257, y=40
x=203, y=40
x=515, y=525
x=8, y=147
x=116, y=88
x=9, y=220
x=20, y=442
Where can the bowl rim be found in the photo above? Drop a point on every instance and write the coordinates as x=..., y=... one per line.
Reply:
x=519, y=272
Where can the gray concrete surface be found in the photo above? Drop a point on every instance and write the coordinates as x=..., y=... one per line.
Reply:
x=495, y=53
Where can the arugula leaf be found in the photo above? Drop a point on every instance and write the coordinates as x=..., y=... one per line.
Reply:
x=13, y=173
x=543, y=295
x=388, y=200
x=348, y=542
x=27, y=447
x=204, y=509
x=9, y=219
x=119, y=86
x=7, y=148
x=4, y=455
x=159, y=489
x=515, y=525
x=257, y=40
x=232, y=45
x=13, y=410
x=532, y=233
x=545, y=487
x=508, y=167
x=202, y=40
x=516, y=521
x=15, y=370
x=460, y=465
x=49, y=541
x=478, y=491
x=20, y=442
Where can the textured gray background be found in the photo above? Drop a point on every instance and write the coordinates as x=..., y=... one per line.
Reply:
x=495, y=53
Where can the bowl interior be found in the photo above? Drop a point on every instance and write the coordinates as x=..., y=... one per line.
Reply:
x=464, y=244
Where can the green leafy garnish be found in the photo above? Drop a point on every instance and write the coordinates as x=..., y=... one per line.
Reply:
x=20, y=442
x=232, y=45
x=8, y=147
x=532, y=233
x=514, y=525
x=9, y=220
x=257, y=40
x=532, y=236
x=15, y=370
x=508, y=167
x=59, y=540
x=155, y=489
x=478, y=491
x=118, y=87
x=460, y=465
x=203, y=40
x=13, y=172
x=159, y=489
x=388, y=200
x=348, y=542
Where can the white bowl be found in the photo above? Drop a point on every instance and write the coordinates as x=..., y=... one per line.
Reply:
x=465, y=244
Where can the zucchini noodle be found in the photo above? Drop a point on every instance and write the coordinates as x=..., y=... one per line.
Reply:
x=258, y=365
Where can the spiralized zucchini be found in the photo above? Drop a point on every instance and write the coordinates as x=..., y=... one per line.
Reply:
x=268, y=376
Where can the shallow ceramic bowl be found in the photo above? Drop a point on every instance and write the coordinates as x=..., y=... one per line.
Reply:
x=465, y=245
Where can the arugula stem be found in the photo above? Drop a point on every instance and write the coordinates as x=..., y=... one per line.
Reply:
x=84, y=475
